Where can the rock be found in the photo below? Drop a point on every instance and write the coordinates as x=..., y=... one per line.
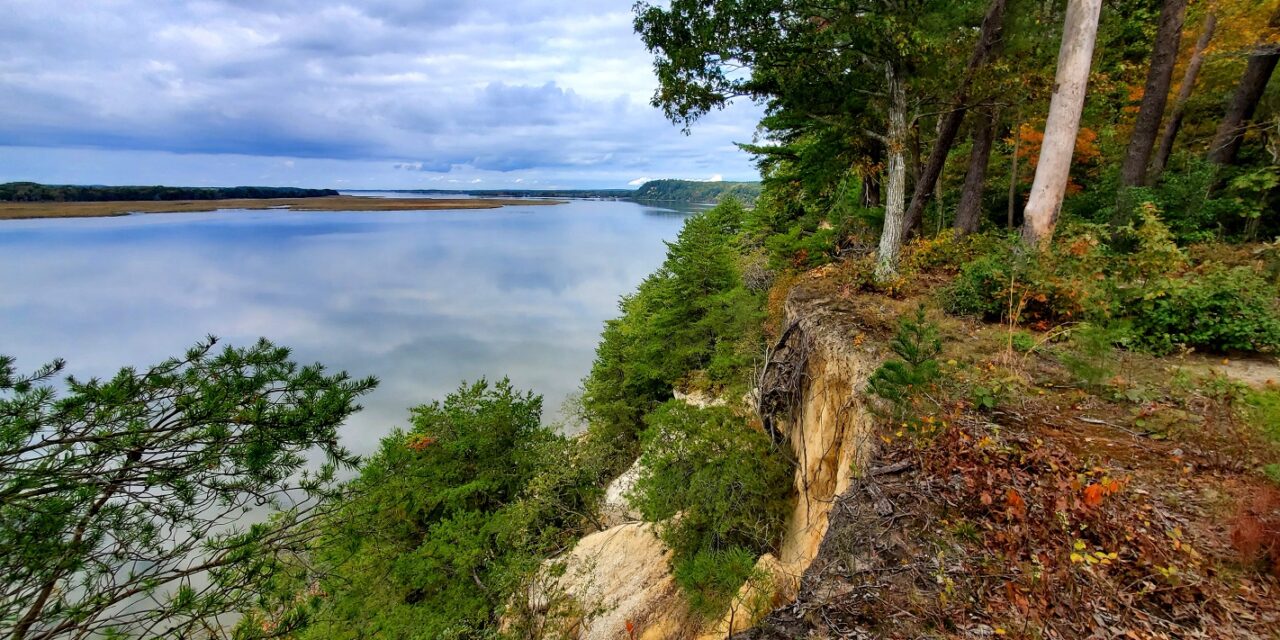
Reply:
x=698, y=398
x=616, y=510
x=616, y=576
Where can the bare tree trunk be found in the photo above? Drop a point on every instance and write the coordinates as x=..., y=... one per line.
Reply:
x=1164, y=56
x=1257, y=72
x=968, y=212
x=939, y=206
x=871, y=190
x=949, y=126
x=870, y=197
x=894, y=231
x=915, y=166
x=1080, y=31
x=1013, y=170
x=1180, y=102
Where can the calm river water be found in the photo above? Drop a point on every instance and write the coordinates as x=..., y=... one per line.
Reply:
x=423, y=300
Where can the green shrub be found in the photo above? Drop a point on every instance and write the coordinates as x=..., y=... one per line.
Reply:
x=443, y=525
x=717, y=489
x=1150, y=284
x=1090, y=356
x=976, y=290
x=710, y=579
x=1194, y=211
x=1215, y=309
x=1022, y=342
x=904, y=381
x=1005, y=282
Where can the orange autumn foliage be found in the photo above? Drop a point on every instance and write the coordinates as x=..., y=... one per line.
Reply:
x=1242, y=25
x=1135, y=98
x=1031, y=139
x=419, y=442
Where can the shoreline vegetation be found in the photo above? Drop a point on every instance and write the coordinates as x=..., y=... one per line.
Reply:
x=30, y=210
x=668, y=190
x=25, y=200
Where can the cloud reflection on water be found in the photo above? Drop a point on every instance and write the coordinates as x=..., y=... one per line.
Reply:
x=423, y=300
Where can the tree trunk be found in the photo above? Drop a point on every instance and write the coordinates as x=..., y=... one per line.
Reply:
x=894, y=231
x=1013, y=170
x=1164, y=56
x=871, y=190
x=1080, y=31
x=969, y=211
x=914, y=167
x=1180, y=102
x=1257, y=72
x=988, y=36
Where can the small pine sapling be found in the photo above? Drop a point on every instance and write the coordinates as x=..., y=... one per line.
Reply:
x=918, y=345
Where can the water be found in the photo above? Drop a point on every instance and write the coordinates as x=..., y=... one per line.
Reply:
x=423, y=300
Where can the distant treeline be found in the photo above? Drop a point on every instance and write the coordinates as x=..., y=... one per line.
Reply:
x=601, y=194
x=654, y=190
x=33, y=192
x=691, y=191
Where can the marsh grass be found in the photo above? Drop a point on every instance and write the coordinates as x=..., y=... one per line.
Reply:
x=21, y=210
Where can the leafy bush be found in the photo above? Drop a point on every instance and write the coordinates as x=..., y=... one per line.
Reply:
x=1216, y=309
x=803, y=232
x=1151, y=284
x=1067, y=283
x=1022, y=342
x=719, y=490
x=1194, y=211
x=947, y=252
x=442, y=526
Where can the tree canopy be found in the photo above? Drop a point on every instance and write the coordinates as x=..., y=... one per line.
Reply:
x=154, y=502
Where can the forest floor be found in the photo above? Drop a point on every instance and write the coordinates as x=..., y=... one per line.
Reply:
x=1023, y=502
x=21, y=210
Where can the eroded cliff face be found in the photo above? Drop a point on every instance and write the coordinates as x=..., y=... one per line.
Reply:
x=811, y=399
x=828, y=426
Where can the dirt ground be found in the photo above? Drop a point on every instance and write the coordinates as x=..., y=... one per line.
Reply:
x=1012, y=499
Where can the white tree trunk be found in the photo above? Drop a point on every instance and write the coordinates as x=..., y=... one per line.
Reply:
x=895, y=208
x=1079, y=32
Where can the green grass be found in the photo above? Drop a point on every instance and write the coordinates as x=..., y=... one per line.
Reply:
x=1263, y=411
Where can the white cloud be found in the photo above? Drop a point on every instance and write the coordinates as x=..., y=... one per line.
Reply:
x=554, y=89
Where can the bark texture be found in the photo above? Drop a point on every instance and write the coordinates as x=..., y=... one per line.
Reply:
x=969, y=211
x=1226, y=143
x=949, y=127
x=895, y=230
x=1164, y=56
x=1174, y=122
x=1079, y=33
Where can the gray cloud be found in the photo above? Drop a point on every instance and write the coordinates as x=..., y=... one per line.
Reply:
x=549, y=88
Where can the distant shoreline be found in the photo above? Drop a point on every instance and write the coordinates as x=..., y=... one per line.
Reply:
x=34, y=210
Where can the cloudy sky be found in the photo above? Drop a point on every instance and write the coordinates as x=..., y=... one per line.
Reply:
x=356, y=94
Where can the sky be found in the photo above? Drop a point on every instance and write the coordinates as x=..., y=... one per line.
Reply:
x=363, y=94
